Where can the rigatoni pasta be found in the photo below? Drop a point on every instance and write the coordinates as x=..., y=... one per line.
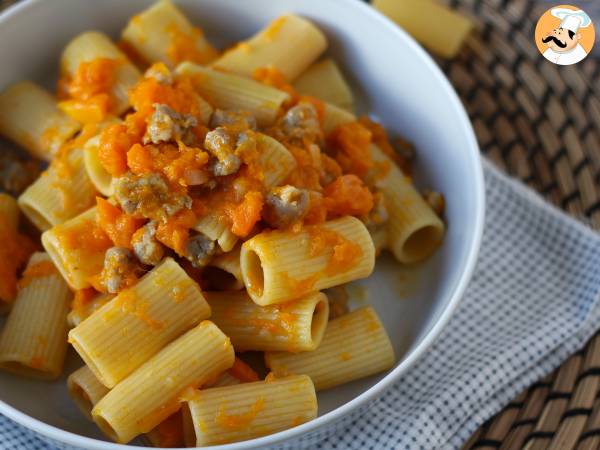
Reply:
x=29, y=116
x=81, y=309
x=236, y=413
x=33, y=341
x=61, y=193
x=93, y=53
x=152, y=393
x=161, y=306
x=163, y=33
x=243, y=173
x=294, y=326
x=325, y=81
x=279, y=266
x=77, y=248
x=289, y=44
x=414, y=230
x=354, y=346
x=227, y=91
x=85, y=390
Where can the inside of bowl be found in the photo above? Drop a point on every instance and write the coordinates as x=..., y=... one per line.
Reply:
x=392, y=83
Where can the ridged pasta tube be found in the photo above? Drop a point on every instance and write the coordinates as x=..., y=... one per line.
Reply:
x=164, y=304
x=85, y=390
x=77, y=248
x=293, y=326
x=248, y=410
x=29, y=116
x=414, y=229
x=152, y=393
x=355, y=346
x=280, y=266
x=93, y=45
x=163, y=33
x=324, y=80
x=33, y=342
x=289, y=43
x=61, y=193
x=229, y=91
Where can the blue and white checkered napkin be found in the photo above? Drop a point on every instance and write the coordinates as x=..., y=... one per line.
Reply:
x=533, y=301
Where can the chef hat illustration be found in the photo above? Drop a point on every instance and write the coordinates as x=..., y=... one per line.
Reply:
x=572, y=20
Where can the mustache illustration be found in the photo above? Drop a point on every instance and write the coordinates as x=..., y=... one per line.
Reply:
x=556, y=41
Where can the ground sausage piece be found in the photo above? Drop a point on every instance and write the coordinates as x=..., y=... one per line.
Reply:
x=200, y=249
x=285, y=205
x=241, y=120
x=120, y=271
x=166, y=124
x=148, y=196
x=145, y=245
x=221, y=143
x=302, y=122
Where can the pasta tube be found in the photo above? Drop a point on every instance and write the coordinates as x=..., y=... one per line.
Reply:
x=279, y=266
x=99, y=177
x=434, y=25
x=354, y=346
x=274, y=160
x=81, y=312
x=163, y=33
x=165, y=303
x=293, y=326
x=414, y=230
x=289, y=44
x=29, y=116
x=85, y=390
x=9, y=212
x=216, y=228
x=152, y=393
x=325, y=81
x=227, y=91
x=34, y=340
x=249, y=410
x=61, y=193
x=77, y=248
x=334, y=117
x=92, y=45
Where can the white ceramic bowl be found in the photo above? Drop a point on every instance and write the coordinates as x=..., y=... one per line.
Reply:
x=395, y=80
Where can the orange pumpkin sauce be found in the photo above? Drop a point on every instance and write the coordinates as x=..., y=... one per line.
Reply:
x=347, y=196
x=38, y=270
x=14, y=253
x=119, y=226
x=239, y=421
x=353, y=144
x=87, y=94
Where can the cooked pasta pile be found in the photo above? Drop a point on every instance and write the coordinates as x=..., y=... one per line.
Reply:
x=196, y=204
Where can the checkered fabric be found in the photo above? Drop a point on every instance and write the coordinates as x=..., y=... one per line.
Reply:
x=534, y=300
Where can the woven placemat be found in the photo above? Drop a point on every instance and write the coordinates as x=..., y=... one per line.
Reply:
x=540, y=123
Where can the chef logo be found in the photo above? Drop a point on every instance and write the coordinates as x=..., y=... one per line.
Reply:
x=565, y=35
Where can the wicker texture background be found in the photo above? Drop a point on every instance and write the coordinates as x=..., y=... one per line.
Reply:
x=541, y=123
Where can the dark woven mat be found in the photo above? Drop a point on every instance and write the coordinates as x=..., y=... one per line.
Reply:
x=540, y=123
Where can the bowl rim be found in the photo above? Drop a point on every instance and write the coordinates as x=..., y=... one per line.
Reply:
x=415, y=354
